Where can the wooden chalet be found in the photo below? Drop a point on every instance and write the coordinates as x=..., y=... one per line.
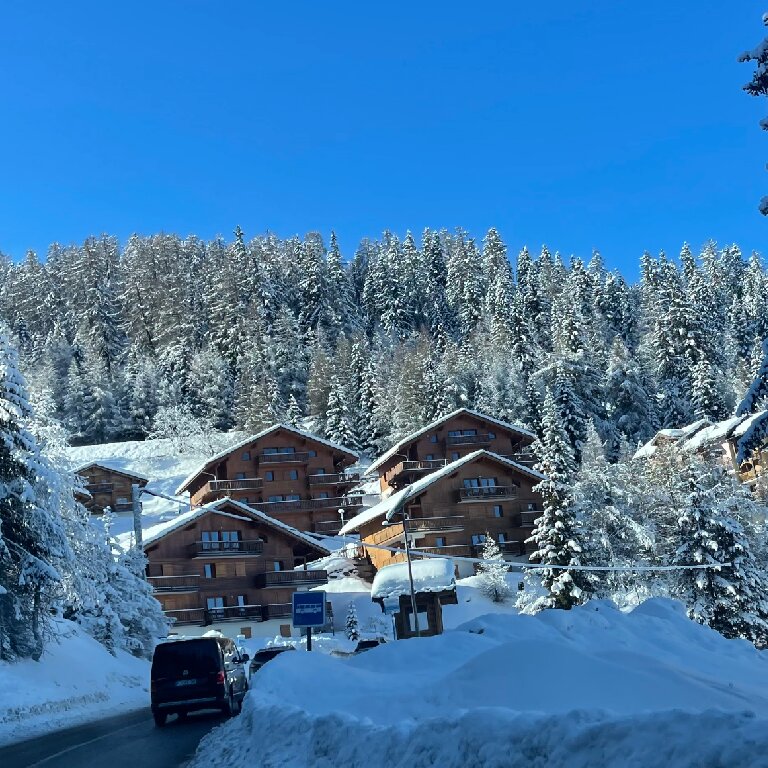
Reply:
x=451, y=509
x=296, y=477
x=105, y=486
x=229, y=564
x=434, y=586
x=448, y=439
x=718, y=441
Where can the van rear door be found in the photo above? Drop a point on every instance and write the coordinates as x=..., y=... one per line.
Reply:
x=186, y=671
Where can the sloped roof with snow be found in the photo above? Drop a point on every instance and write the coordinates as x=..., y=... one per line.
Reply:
x=432, y=574
x=397, y=500
x=109, y=468
x=157, y=532
x=252, y=439
x=395, y=449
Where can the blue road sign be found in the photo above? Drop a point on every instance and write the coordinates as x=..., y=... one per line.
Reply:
x=308, y=609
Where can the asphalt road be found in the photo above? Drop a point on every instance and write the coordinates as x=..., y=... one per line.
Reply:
x=125, y=741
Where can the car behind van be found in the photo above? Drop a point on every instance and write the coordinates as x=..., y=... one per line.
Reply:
x=200, y=673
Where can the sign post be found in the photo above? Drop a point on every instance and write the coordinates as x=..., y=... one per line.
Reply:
x=308, y=611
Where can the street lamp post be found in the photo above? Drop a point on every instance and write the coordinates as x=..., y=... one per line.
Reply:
x=410, y=573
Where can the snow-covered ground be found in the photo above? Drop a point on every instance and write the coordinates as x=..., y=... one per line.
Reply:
x=588, y=687
x=75, y=681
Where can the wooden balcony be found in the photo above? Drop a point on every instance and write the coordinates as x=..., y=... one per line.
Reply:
x=403, y=472
x=328, y=527
x=100, y=487
x=166, y=585
x=306, y=505
x=512, y=548
x=528, y=518
x=526, y=459
x=450, y=550
x=481, y=439
x=270, y=579
x=284, y=458
x=187, y=616
x=486, y=493
x=429, y=524
x=226, y=548
x=203, y=617
x=225, y=486
x=277, y=611
x=342, y=478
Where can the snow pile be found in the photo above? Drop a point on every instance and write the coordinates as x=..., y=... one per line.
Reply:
x=588, y=687
x=433, y=574
x=76, y=680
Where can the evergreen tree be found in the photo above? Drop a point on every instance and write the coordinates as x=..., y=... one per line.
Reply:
x=492, y=572
x=352, y=625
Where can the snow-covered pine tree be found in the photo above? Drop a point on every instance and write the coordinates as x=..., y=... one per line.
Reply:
x=352, y=626
x=32, y=538
x=732, y=599
x=492, y=572
x=556, y=534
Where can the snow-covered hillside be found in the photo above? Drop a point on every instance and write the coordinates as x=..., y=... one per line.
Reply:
x=587, y=687
x=76, y=680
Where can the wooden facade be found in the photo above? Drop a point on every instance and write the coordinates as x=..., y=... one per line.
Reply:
x=447, y=440
x=107, y=487
x=451, y=515
x=297, y=478
x=230, y=565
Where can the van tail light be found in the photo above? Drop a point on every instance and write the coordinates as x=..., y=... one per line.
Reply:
x=220, y=678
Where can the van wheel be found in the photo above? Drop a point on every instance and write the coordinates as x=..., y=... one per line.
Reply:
x=229, y=705
x=160, y=718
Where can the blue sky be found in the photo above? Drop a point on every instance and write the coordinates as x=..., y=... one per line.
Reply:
x=606, y=124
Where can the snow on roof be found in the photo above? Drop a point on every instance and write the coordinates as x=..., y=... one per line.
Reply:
x=432, y=574
x=397, y=500
x=157, y=532
x=432, y=425
x=715, y=433
x=105, y=465
x=673, y=435
x=252, y=439
x=747, y=423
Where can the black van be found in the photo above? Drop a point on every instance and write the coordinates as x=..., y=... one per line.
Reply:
x=201, y=673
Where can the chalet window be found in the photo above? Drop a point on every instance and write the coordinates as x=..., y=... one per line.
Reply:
x=240, y=476
x=478, y=538
x=461, y=432
x=244, y=500
x=280, y=449
x=430, y=457
x=292, y=474
x=210, y=539
x=498, y=511
x=269, y=476
x=215, y=607
x=471, y=482
x=454, y=456
x=230, y=539
x=276, y=498
x=502, y=538
x=491, y=435
x=433, y=438
x=241, y=601
x=531, y=506
x=312, y=454
x=320, y=471
x=323, y=495
x=209, y=570
x=488, y=482
x=293, y=497
x=439, y=541
x=270, y=450
x=278, y=565
x=246, y=456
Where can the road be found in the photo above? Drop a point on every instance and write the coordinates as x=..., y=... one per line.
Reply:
x=125, y=741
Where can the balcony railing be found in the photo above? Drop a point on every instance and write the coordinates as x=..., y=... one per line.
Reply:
x=514, y=548
x=528, y=518
x=450, y=550
x=277, y=611
x=100, y=487
x=427, y=465
x=334, y=478
x=284, y=458
x=167, y=584
x=243, y=484
x=290, y=578
x=449, y=523
x=482, y=439
x=205, y=616
x=486, y=492
x=328, y=527
x=526, y=459
x=226, y=548
x=345, y=502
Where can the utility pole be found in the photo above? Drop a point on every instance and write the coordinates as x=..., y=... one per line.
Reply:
x=410, y=573
x=136, y=504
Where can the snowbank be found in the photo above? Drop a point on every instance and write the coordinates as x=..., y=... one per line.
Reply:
x=76, y=680
x=588, y=687
x=433, y=574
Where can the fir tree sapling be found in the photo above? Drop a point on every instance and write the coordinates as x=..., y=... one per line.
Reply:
x=352, y=625
x=492, y=572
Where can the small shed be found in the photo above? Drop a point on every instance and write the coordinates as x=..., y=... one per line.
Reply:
x=434, y=585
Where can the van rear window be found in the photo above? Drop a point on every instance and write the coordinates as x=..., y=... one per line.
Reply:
x=198, y=656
